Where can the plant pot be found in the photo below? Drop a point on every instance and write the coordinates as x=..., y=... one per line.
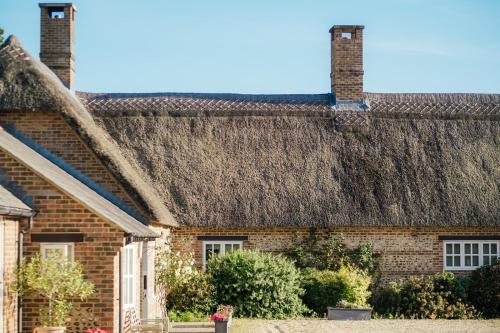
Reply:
x=50, y=330
x=222, y=326
x=349, y=314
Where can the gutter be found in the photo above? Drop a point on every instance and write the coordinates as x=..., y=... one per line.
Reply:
x=20, y=240
x=12, y=211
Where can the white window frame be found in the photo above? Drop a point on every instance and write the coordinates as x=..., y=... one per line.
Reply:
x=222, y=248
x=462, y=243
x=129, y=268
x=68, y=249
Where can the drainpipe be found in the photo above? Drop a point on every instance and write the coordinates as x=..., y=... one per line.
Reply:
x=19, y=260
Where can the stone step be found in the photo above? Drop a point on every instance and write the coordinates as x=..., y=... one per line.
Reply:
x=192, y=330
x=192, y=327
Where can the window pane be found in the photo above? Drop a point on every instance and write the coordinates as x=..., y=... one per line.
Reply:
x=475, y=248
x=467, y=248
x=456, y=249
x=236, y=247
x=449, y=261
x=486, y=248
x=228, y=248
x=456, y=261
x=217, y=248
x=493, y=259
x=467, y=261
x=486, y=260
x=475, y=261
x=208, y=251
x=449, y=249
x=494, y=248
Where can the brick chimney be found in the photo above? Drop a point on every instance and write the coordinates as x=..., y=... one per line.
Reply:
x=347, y=62
x=57, y=40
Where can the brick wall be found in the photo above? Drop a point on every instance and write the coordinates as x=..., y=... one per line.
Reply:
x=50, y=131
x=347, y=62
x=404, y=251
x=98, y=253
x=10, y=250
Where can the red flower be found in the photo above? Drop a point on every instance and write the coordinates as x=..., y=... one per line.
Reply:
x=217, y=317
x=95, y=330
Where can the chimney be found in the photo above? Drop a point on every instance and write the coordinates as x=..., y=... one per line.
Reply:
x=347, y=62
x=57, y=40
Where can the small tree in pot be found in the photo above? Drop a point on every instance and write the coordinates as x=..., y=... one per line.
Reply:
x=57, y=280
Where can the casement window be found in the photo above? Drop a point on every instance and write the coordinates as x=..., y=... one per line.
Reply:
x=211, y=248
x=128, y=277
x=65, y=249
x=469, y=254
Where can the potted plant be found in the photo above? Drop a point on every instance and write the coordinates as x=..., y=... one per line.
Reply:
x=57, y=280
x=349, y=311
x=222, y=318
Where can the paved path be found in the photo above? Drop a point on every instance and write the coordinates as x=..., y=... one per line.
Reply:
x=372, y=326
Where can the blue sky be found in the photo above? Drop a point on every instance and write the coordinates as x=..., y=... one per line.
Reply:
x=273, y=46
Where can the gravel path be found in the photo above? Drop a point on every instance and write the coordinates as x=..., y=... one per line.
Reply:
x=372, y=326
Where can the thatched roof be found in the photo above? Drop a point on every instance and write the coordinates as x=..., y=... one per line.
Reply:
x=12, y=205
x=77, y=190
x=29, y=86
x=302, y=160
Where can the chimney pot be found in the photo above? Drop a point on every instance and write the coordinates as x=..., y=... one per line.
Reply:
x=347, y=62
x=57, y=40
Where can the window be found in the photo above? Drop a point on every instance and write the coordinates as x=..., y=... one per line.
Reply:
x=65, y=249
x=128, y=276
x=219, y=248
x=469, y=255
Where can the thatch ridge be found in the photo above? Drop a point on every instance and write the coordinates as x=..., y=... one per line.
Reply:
x=28, y=85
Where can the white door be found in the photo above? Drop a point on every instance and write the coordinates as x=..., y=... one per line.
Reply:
x=2, y=244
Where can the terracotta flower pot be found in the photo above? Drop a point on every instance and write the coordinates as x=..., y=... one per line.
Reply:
x=50, y=330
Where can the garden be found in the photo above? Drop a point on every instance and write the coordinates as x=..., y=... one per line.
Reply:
x=316, y=275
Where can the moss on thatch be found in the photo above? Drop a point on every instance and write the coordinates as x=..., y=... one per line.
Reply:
x=300, y=171
x=27, y=85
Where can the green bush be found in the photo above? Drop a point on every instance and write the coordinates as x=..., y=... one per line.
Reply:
x=257, y=284
x=327, y=288
x=193, y=295
x=484, y=290
x=427, y=297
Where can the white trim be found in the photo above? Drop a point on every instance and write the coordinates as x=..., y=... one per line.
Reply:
x=68, y=249
x=128, y=284
x=462, y=243
x=222, y=248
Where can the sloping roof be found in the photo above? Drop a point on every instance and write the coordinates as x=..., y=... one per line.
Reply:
x=286, y=161
x=71, y=186
x=29, y=86
x=11, y=205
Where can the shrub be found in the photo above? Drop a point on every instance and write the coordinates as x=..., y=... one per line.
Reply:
x=195, y=294
x=257, y=284
x=326, y=252
x=484, y=290
x=187, y=316
x=327, y=288
x=440, y=296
